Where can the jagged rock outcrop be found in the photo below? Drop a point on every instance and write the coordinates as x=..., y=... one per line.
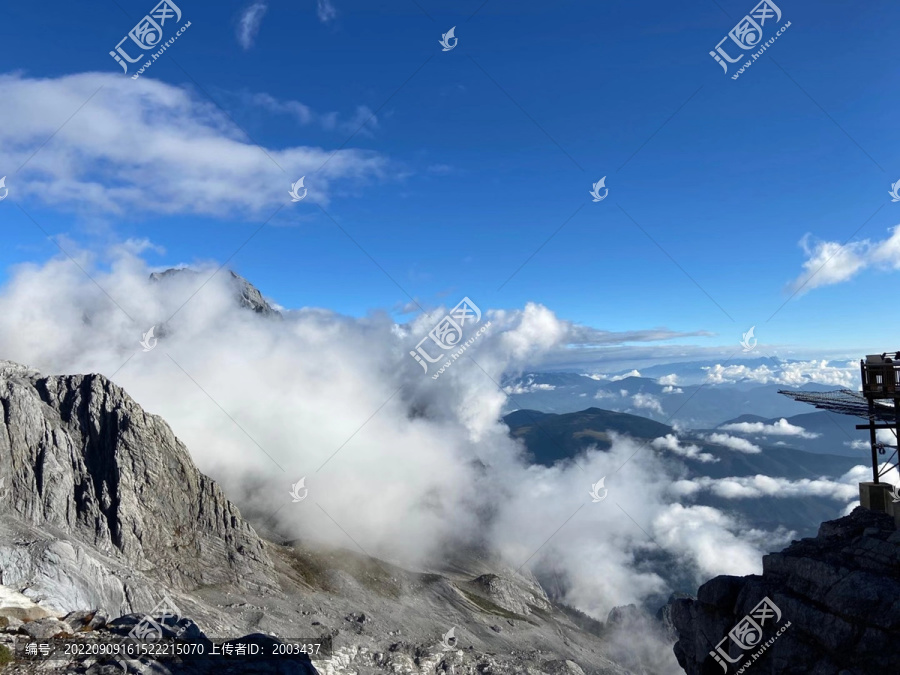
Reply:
x=246, y=293
x=99, y=495
x=833, y=607
x=513, y=596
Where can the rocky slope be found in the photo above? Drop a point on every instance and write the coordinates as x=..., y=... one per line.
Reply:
x=102, y=513
x=833, y=606
x=93, y=485
x=247, y=295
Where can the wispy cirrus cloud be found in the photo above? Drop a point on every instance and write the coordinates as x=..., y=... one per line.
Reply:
x=326, y=10
x=250, y=22
x=363, y=120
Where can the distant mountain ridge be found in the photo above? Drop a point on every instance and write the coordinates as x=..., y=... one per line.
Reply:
x=551, y=438
x=697, y=406
x=835, y=434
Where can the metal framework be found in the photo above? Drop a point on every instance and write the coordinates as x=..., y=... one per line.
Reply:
x=878, y=402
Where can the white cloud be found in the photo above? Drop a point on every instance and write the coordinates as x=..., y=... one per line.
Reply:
x=249, y=23
x=672, y=390
x=144, y=146
x=734, y=443
x=299, y=111
x=793, y=373
x=668, y=379
x=830, y=262
x=326, y=10
x=708, y=539
x=647, y=402
x=616, y=378
x=673, y=444
x=756, y=487
x=527, y=387
x=885, y=436
x=430, y=461
x=780, y=428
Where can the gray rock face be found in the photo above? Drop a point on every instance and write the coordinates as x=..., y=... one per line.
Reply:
x=98, y=492
x=251, y=298
x=838, y=595
x=45, y=628
x=516, y=597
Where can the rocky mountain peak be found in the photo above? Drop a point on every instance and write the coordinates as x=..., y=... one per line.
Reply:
x=823, y=605
x=246, y=293
x=94, y=484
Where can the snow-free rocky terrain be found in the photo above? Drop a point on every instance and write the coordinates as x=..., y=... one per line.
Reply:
x=102, y=513
x=838, y=595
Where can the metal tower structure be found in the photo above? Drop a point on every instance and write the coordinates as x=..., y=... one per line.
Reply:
x=878, y=402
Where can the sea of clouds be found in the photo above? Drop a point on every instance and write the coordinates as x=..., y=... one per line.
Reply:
x=396, y=464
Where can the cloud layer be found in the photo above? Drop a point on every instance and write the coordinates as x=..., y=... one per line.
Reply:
x=149, y=147
x=792, y=373
x=398, y=465
x=780, y=428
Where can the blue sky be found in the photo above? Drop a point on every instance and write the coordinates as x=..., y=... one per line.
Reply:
x=478, y=162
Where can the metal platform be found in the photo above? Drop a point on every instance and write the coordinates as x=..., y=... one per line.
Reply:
x=844, y=402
